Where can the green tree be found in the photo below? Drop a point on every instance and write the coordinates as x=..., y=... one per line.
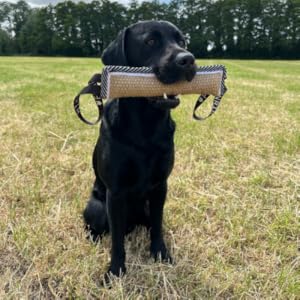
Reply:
x=227, y=28
x=37, y=32
x=66, y=38
x=6, y=44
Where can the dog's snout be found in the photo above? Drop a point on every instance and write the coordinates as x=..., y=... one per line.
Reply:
x=185, y=59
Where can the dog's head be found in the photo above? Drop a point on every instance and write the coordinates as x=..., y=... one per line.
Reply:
x=156, y=44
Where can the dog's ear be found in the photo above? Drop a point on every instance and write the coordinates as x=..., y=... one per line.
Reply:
x=115, y=53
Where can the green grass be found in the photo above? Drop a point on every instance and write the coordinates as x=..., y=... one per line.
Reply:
x=232, y=215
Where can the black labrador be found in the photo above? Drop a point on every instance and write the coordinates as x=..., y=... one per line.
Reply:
x=134, y=154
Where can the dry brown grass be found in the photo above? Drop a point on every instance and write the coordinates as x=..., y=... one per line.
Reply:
x=232, y=216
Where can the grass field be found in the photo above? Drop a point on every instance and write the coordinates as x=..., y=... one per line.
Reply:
x=232, y=215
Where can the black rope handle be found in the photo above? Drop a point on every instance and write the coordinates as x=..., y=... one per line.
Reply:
x=93, y=88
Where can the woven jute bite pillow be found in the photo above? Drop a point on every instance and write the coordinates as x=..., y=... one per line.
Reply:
x=117, y=82
x=122, y=82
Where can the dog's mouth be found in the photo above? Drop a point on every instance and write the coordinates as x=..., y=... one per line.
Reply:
x=169, y=74
x=165, y=102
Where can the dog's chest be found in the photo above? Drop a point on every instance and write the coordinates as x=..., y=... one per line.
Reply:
x=155, y=167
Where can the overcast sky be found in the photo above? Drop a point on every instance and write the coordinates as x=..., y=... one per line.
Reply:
x=45, y=2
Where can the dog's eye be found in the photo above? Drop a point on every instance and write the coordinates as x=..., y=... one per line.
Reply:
x=181, y=43
x=150, y=42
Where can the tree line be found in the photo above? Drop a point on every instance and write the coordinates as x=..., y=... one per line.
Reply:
x=214, y=28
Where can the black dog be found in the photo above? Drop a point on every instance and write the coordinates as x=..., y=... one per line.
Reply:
x=134, y=154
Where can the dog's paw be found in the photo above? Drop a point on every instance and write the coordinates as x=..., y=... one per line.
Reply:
x=117, y=271
x=159, y=252
x=92, y=235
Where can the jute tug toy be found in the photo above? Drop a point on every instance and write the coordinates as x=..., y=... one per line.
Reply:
x=125, y=82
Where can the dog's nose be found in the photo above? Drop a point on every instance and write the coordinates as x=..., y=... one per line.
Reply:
x=185, y=59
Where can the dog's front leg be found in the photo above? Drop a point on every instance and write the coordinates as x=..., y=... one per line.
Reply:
x=156, y=205
x=116, y=209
